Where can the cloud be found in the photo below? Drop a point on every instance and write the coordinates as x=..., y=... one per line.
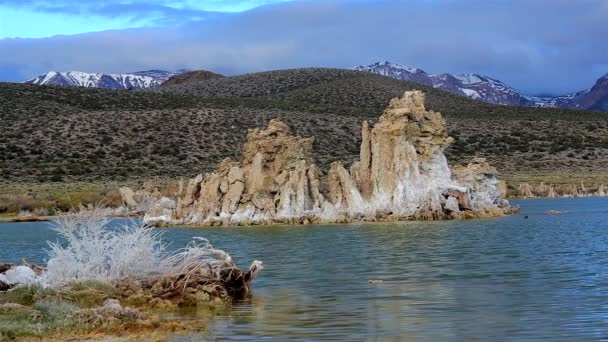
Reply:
x=146, y=11
x=156, y=12
x=149, y=13
x=539, y=46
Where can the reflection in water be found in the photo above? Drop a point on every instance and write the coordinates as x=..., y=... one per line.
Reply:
x=494, y=279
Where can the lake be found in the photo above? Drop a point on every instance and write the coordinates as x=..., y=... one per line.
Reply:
x=513, y=278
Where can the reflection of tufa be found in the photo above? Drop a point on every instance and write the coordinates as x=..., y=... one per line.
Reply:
x=402, y=174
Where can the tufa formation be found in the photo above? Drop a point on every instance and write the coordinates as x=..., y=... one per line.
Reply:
x=402, y=174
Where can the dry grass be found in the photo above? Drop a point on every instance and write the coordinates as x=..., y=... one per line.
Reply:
x=21, y=196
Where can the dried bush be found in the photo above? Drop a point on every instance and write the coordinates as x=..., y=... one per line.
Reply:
x=94, y=251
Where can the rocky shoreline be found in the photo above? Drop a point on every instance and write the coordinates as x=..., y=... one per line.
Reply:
x=402, y=174
x=115, y=281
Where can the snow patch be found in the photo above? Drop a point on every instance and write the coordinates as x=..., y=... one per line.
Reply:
x=137, y=80
x=469, y=78
x=471, y=93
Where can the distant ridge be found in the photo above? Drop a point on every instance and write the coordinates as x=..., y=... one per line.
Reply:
x=130, y=81
x=487, y=89
x=473, y=86
x=191, y=76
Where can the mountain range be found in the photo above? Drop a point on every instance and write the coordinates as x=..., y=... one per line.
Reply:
x=474, y=86
x=487, y=89
x=129, y=81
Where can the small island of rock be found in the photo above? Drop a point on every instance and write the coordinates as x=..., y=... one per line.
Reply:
x=402, y=174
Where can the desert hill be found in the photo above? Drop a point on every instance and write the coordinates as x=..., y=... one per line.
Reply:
x=191, y=76
x=72, y=134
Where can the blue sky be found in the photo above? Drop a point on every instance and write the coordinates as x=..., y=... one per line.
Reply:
x=537, y=46
x=43, y=18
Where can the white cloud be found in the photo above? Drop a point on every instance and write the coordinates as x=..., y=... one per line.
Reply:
x=548, y=46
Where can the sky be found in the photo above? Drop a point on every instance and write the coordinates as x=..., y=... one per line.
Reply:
x=536, y=46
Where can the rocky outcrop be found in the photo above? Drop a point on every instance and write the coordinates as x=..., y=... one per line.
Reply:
x=543, y=190
x=481, y=180
x=275, y=180
x=145, y=200
x=128, y=197
x=160, y=212
x=402, y=174
x=11, y=274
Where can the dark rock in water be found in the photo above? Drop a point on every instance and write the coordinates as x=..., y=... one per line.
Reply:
x=5, y=266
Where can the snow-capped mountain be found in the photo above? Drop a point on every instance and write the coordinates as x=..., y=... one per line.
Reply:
x=595, y=98
x=474, y=86
x=130, y=81
x=487, y=89
x=562, y=101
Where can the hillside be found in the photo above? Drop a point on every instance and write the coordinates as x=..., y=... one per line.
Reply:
x=348, y=92
x=191, y=76
x=78, y=134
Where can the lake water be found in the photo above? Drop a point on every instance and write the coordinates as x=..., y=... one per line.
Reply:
x=513, y=278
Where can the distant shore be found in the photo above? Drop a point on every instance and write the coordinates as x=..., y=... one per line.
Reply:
x=18, y=219
x=48, y=196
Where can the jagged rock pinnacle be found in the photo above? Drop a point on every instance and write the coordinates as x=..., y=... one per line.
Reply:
x=402, y=174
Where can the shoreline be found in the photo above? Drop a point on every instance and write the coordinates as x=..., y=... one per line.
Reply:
x=49, y=197
x=16, y=219
x=219, y=224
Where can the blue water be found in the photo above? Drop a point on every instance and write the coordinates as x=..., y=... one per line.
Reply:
x=513, y=278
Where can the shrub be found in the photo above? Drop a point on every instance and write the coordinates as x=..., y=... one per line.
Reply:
x=96, y=252
x=56, y=178
x=66, y=202
x=56, y=315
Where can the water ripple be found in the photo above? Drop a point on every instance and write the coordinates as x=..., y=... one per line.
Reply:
x=500, y=279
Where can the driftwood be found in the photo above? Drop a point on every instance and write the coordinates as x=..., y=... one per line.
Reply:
x=231, y=282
